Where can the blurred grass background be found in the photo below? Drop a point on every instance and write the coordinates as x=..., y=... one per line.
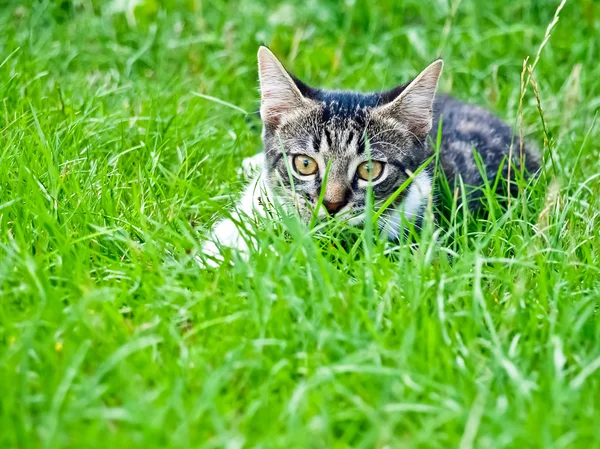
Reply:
x=111, y=167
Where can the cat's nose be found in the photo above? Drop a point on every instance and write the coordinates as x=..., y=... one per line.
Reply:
x=333, y=207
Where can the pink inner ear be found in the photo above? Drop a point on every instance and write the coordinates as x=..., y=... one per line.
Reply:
x=276, y=102
x=272, y=114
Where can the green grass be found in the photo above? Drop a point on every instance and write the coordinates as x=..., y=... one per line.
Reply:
x=486, y=334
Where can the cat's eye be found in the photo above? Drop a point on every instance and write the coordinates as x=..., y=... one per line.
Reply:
x=370, y=170
x=305, y=165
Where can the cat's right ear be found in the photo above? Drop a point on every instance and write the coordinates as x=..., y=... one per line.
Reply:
x=279, y=93
x=414, y=105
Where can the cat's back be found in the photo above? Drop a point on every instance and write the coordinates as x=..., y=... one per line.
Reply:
x=466, y=127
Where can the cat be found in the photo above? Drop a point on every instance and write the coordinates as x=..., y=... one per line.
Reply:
x=361, y=141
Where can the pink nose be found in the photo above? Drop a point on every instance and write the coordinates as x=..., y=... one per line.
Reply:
x=334, y=207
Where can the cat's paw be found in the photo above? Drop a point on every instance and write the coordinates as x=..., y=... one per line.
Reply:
x=211, y=253
x=252, y=166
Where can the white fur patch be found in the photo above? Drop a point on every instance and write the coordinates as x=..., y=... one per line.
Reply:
x=418, y=195
x=416, y=199
x=226, y=232
x=252, y=166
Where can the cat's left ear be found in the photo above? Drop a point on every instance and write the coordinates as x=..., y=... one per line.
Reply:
x=279, y=93
x=414, y=105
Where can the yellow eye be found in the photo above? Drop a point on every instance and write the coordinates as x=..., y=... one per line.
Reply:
x=305, y=165
x=369, y=169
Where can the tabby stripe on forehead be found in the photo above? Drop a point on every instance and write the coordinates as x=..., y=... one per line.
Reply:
x=358, y=141
x=361, y=147
x=350, y=140
x=327, y=138
x=316, y=144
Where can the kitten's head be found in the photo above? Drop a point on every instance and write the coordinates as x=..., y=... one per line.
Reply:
x=355, y=138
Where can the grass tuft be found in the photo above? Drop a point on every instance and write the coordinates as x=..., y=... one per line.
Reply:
x=122, y=128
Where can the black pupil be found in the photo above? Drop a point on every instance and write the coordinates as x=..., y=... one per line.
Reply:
x=306, y=162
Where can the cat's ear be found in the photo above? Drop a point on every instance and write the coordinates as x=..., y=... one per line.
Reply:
x=414, y=105
x=279, y=93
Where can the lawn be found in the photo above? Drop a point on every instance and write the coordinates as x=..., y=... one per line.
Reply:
x=114, y=163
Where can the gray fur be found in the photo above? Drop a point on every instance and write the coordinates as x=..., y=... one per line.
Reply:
x=397, y=126
x=465, y=128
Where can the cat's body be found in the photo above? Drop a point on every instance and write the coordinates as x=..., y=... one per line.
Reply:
x=466, y=127
x=362, y=141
